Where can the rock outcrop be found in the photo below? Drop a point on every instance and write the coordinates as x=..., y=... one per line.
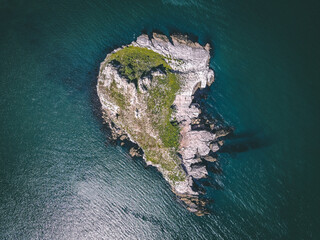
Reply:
x=190, y=62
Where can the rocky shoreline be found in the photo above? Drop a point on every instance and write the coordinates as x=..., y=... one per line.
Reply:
x=199, y=136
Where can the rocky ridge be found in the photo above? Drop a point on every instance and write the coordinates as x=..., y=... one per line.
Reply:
x=198, y=137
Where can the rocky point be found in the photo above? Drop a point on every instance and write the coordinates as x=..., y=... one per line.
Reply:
x=147, y=90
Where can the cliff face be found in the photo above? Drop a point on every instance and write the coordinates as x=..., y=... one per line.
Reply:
x=146, y=91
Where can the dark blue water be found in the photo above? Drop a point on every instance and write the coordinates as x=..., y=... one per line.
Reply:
x=60, y=179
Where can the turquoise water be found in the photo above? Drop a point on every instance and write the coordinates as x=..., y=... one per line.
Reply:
x=60, y=179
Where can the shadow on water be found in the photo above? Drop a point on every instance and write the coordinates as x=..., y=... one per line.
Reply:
x=244, y=141
x=94, y=99
x=234, y=142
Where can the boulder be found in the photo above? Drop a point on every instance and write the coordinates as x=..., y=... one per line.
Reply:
x=209, y=158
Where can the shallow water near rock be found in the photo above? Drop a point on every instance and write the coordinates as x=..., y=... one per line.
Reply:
x=59, y=179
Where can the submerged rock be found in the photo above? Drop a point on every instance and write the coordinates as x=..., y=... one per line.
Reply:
x=134, y=152
x=146, y=91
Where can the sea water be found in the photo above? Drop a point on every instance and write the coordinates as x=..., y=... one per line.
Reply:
x=61, y=179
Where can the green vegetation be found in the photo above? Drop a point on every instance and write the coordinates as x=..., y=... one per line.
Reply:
x=177, y=176
x=159, y=103
x=134, y=63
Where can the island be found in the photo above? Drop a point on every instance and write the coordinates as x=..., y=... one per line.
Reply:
x=147, y=92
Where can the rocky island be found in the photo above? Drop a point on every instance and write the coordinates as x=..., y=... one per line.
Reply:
x=147, y=90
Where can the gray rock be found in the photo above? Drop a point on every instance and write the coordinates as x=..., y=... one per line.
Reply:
x=209, y=158
x=223, y=132
x=214, y=147
x=123, y=137
x=198, y=171
x=134, y=152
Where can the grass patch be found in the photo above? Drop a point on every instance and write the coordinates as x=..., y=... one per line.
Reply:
x=134, y=62
x=159, y=103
